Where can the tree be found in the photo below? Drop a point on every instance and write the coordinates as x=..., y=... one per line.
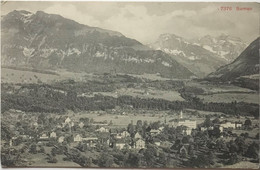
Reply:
x=32, y=149
x=252, y=151
x=139, y=125
x=133, y=160
x=162, y=159
x=185, y=139
x=207, y=122
x=233, y=158
x=216, y=121
x=105, y=160
x=233, y=148
x=52, y=159
x=248, y=123
x=131, y=129
x=149, y=155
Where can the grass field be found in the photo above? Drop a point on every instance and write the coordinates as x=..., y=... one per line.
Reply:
x=39, y=160
x=231, y=97
x=143, y=93
x=217, y=88
x=20, y=76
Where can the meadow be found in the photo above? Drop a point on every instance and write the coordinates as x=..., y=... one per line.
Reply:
x=231, y=97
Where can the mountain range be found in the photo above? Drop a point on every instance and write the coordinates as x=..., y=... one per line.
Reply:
x=47, y=41
x=202, y=56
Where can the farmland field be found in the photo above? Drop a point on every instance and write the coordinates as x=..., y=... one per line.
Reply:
x=231, y=97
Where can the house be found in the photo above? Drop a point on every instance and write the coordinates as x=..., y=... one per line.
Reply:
x=44, y=136
x=124, y=134
x=157, y=141
x=140, y=144
x=228, y=125
x=61, y=139
x=53, y=135
x=91, y=141
x=138, y=136
x=238, y=125
x=81, y=124
x=188, y=131
x=191, y=124
x=120, y=144
x=161, y=128
x=166, y=144
x=67, y=121
x=206, y=128
x=154, y=132
x=221, y=129
x=77, y=138
x=102, y=129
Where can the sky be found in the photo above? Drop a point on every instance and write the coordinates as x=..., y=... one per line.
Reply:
x=145, y=21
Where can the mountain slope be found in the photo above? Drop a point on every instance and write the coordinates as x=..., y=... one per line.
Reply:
x=246, y=64
x=197, y=59
x=48, y=41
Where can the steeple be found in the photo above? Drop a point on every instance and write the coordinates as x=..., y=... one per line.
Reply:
x=181, y=115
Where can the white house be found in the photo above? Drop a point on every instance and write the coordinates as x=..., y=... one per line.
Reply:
x=157, y=142
x=228, y=125
x=53, y=135
x=77, y=138
x=138, y=136
x=154, y=132
x=188, y=131
x=239, y=125
x=125, y=134
x=191, y=124
x=140, y=144
x=44, y=136
x=68, y=120
x=61, y=139
x=120, y=144
x=81, y=124
x=102, y=129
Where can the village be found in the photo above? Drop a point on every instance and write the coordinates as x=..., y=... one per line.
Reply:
x=182, y=137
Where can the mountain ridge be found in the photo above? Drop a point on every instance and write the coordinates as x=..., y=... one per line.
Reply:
x=190, y=54
x=51, y=41
x=246, y=64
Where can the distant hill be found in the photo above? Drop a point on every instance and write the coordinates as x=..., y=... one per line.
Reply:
x=199, y=60
x=46, y=41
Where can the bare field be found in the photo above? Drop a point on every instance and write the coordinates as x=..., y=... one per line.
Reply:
x=231, y=97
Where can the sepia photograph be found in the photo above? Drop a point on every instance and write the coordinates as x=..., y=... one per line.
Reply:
x=130, y=85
